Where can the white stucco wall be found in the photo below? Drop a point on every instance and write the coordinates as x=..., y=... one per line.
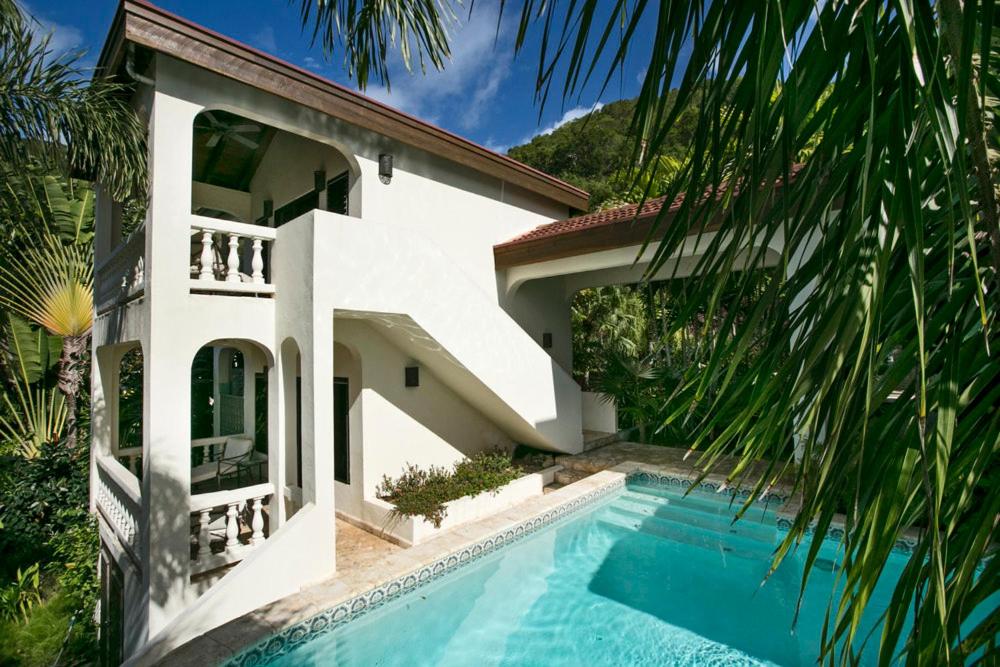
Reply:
x=391, y=424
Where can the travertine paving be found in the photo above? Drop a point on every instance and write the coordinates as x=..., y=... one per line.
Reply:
x=673, y=460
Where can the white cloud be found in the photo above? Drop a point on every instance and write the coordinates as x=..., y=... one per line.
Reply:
x=264, y=40
x=570, y=116
x=464, y=91
x=313, y=63
x=62, y=38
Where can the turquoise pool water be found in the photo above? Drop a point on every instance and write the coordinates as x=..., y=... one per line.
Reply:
x=645, y=577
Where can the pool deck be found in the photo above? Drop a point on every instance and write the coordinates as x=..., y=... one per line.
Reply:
x=366, y=562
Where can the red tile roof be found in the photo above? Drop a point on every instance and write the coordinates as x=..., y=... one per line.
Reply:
x=616, y=227
x=626, y=213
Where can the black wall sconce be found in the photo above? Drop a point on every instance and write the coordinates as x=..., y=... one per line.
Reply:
x=319, y=181
x=385, y=167
x=412, y=376
x=547, y=341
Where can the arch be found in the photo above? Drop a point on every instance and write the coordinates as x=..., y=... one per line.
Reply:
x=242, y=158
x=291, y=361
x=129, y=410
x=229, y=399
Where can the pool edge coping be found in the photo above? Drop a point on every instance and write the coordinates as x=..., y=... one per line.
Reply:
x=274, y=629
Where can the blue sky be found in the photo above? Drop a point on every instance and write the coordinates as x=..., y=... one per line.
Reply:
x=484, y=93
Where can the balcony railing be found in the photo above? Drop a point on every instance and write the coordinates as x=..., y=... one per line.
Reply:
x=232, y=257
x=119, y=502
x=122, y=276
x=227, y=525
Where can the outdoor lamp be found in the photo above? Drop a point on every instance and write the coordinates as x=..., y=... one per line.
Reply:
x=412, y=376
x=385, y=167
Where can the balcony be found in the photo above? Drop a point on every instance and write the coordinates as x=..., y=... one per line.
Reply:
x=232, y=257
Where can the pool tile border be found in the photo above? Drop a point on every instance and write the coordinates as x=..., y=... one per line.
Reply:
x=293, y=636
x=285, y=640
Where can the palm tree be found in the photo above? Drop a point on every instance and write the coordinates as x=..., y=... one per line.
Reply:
x=52, y=118
x=47, y=275
x=885, y=371
x=51, y=113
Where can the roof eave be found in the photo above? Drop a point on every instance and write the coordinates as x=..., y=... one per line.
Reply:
x=145, y=24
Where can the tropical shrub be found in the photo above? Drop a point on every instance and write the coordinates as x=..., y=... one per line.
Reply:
x=19, y=596
x=424, y=492
x=40, y=498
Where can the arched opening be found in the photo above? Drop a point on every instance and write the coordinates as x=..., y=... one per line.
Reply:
x=129, y=419
x=291, y=382
x=229, y=415
x=247, y=171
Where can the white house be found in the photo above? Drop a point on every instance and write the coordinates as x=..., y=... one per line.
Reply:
x=340, y=287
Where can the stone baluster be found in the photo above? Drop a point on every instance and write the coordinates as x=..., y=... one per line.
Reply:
x=232, y=525
x=233, y=261
x=207, y=256
x=257, y=523
x=204, y=537
x=258, y=261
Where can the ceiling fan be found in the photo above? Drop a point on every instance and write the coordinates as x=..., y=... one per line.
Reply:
x=221, y=130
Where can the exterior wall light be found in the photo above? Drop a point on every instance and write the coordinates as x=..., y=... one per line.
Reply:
x=547, y=341
x=412, y=376
x=385, y=167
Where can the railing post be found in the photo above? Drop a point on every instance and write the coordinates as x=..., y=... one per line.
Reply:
x=232, y=525
x=257, y=523
x=258, y=261
x=233, y=261
x=207, y=256
x=204, y=537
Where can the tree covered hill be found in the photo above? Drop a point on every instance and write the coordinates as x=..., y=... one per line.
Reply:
x=594, y=152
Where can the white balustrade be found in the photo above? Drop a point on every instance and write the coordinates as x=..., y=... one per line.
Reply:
x=131, y=458
x=122, y=276
x=226, y=247
x=221, y=521
x=119, y=502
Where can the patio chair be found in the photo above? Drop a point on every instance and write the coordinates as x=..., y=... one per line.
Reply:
x=236, y=451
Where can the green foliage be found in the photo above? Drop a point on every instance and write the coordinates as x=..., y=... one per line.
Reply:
x=596, y=153
x=19, y=597
x=74, y=567
x=40, y=498
x=130, y=400
x=420, y=492
x=53, y=112
x=39, y=641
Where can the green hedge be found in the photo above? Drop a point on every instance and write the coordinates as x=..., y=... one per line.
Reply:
x=419, y=492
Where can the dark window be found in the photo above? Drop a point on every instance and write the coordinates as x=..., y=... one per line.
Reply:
x=112, y=647
x=341, y=432
x=336, y=194
x=296, y=207
x=260, y=412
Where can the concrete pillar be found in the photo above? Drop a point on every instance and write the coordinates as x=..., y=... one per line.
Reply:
x=167, y=360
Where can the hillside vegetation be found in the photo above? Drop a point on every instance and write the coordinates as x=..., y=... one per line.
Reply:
x=595, y=153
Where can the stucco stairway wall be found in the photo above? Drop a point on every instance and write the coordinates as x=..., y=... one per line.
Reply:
x=395, y=278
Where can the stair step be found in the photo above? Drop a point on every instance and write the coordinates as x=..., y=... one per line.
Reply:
x=701, y=514
x=568, y=476
x=703, y=503
x=731, y=544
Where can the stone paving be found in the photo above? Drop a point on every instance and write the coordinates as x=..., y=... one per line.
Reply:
x=673, y=460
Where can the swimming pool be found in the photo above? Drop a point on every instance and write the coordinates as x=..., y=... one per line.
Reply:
x=640, y=576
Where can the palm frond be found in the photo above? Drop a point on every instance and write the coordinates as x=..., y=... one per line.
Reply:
x=49, y=111
x=365, y=31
